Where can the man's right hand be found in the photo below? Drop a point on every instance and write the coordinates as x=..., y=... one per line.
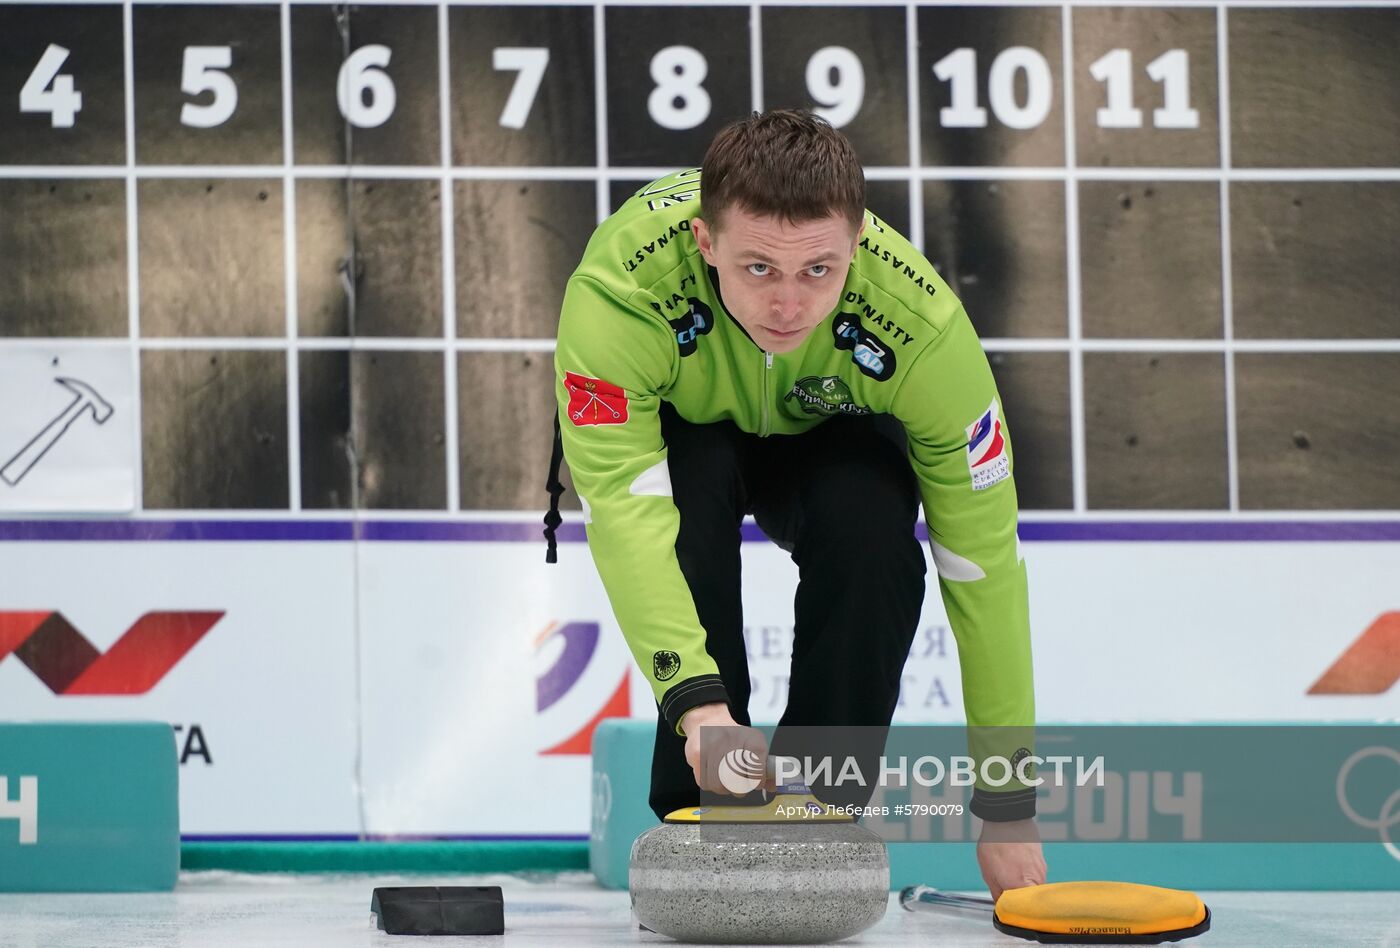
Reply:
x=735, y=736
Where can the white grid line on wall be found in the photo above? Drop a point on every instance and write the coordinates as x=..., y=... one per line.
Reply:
x=133, y=261
x=625, y=173
x=1227, y=303
x=600, y=173
x=916, y=189
x=289, y=244
x=451, y=423
x=755, y=57
x=1077, y=4
x=522, y=345
x=1078, y=451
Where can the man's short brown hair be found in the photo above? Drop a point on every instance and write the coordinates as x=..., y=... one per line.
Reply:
x=786, y=163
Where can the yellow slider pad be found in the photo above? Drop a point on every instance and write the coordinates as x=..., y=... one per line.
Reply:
x=1108, y=912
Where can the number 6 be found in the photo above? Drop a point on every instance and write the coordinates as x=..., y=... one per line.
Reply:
x=363, y=71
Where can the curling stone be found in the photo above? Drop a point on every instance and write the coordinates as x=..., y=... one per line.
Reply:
x=787, y=872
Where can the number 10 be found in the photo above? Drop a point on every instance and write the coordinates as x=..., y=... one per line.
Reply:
x=959, y=69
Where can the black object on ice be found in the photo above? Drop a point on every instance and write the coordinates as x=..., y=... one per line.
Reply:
x=439, y=910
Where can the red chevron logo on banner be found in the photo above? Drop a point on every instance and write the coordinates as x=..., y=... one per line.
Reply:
x=69, y=664
x=1369, y=666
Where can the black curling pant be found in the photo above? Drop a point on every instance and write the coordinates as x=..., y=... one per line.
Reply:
x=842, y=499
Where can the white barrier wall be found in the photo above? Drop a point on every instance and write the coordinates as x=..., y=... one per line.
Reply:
x=453, y=693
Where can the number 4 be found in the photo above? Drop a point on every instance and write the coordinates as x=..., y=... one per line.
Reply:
x=530, y=61
x=61, y=102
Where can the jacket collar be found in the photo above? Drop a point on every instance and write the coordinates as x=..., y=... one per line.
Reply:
x=719, y=297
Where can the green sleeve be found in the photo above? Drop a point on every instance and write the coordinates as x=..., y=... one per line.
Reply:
x=969, y=497
x=612, y=363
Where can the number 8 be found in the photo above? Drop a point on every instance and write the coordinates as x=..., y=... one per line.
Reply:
x=678, y=72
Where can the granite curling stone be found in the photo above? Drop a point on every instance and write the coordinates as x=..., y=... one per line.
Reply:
x=759, y=875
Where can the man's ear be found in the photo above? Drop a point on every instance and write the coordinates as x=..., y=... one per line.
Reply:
x=704, y=239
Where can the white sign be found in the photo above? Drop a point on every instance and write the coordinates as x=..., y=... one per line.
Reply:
x=262, y=704
x=67, y=430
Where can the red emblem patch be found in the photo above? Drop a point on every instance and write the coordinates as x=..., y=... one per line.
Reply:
x=595, y=402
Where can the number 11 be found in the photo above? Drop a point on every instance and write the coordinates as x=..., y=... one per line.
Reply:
x=1172, y=69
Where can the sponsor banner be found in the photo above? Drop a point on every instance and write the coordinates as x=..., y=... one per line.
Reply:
x=490, y=668
x=931, y=690
x=1211, y=631
x=1145, y=632
x=246, y=649
x=68, y=430
x=482, y=671
x=485, y=673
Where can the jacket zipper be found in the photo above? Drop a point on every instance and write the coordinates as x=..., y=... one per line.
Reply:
x=767, y=367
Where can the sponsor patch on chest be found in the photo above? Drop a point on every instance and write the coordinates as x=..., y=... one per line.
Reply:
x=826, y=395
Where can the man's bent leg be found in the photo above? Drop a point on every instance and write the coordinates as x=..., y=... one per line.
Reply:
x=707, y=484
x=850, y=521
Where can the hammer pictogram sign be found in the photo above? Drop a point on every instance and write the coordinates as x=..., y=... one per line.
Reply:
x=85, y=397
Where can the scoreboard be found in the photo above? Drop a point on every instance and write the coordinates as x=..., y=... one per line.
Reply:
x=336, y=237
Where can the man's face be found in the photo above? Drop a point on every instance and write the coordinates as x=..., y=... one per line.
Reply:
x=779, y=279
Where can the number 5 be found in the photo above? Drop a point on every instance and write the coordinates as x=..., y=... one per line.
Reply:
x=531, y=62
x=201, y=74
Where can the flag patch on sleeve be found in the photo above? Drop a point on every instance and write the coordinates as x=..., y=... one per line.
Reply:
x=594, y=402
x=987, y=460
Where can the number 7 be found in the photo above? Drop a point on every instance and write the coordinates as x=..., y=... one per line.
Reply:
x=530, y=61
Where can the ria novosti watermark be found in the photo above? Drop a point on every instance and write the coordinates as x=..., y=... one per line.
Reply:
x=931, y=771
x=1099, y=783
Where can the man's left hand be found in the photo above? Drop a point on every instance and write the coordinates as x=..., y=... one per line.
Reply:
x=1009, y=855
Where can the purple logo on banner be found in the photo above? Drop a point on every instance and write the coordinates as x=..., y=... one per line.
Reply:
x=580, y=641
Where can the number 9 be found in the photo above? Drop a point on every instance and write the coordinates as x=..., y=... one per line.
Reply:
x=840, y=100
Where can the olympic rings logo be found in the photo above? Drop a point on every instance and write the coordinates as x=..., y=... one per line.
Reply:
x=1390, y=810
x=602, y=799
